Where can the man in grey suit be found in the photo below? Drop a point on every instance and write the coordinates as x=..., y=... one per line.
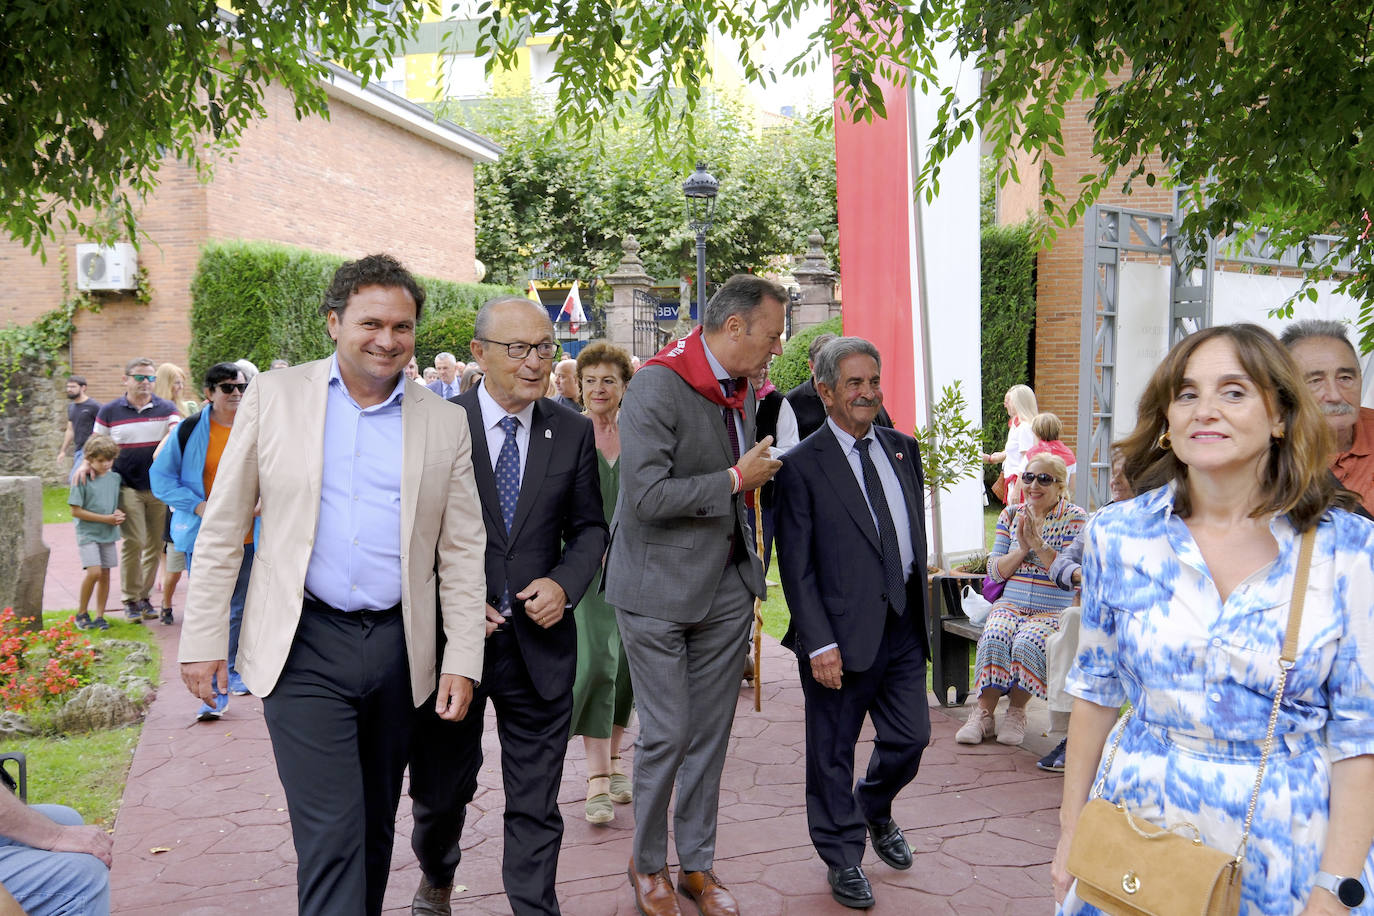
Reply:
x=682, y=574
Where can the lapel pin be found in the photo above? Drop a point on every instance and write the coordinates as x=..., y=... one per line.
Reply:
x=548, y=434
x=899, y=456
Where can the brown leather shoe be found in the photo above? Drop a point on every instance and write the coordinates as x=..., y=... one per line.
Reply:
x=654, y=894
x=430, y=900
x=706, y=891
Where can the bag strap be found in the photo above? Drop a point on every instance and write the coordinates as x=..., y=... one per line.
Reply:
x=1287, y=657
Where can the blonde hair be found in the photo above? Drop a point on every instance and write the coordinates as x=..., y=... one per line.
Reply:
x=1047, y=427
x=166, y=373
x=1057, y=467
x=1023, y=405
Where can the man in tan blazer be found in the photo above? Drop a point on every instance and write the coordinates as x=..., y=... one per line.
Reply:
x=366, y=491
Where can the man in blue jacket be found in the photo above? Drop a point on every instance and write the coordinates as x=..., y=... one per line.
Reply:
x=183, y=474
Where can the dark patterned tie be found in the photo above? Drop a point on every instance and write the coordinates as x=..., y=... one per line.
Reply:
x=730, y=385
x=887, y=531
x=508, y=487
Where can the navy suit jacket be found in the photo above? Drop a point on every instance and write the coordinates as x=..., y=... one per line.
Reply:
x=828, y=550
x=559, y=531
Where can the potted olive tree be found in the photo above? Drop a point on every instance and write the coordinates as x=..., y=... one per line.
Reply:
x=951, y=451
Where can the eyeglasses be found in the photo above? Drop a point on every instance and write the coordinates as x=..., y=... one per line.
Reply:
x=1043, y=479
x=143, y=378
x=231, y=387
x=521, y=350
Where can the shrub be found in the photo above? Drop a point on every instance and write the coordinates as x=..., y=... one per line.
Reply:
x=261, y=301
x=789, y=370
x=38, y=667
x=1008, y=272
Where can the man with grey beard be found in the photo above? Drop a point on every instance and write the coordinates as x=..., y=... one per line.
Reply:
x=1331, y=368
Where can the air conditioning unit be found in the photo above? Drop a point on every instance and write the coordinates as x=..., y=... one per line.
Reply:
x=106, y=267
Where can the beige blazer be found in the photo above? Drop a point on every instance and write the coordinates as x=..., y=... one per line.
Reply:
x=276, y=453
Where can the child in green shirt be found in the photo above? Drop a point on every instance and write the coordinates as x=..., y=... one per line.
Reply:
x=95, y=507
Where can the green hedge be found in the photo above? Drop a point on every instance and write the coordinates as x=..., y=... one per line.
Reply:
x=789, y=370
x=260, y=300
x=1008, y=272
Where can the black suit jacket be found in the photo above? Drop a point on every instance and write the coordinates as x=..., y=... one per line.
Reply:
x=828, y=549
x=559, y=531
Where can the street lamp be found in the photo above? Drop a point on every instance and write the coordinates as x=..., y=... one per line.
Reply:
x=700, y=190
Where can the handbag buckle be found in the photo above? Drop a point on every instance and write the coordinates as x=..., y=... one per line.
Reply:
x=1130, y=882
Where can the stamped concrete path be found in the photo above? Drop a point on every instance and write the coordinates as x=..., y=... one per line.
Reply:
x=204, y=829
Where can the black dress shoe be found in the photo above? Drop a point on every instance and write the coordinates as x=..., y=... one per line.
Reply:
x=889, y=844
x=849, y=886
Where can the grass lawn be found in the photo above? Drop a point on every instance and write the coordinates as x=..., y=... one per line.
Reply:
x=55, y=508
x=88, y=771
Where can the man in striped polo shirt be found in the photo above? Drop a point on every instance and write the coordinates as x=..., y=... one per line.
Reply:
x=137, y=422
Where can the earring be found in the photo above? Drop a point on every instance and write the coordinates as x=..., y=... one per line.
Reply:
x=1163, y=441
x=1278, y=435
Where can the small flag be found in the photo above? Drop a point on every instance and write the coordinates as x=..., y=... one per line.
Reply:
x=532, y=294
x=572, y=309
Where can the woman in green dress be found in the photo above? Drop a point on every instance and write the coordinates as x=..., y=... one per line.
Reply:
x=602, y=698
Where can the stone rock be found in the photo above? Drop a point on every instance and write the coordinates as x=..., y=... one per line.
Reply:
x=95, y=707
x=13, y=725
x=139, y=656
x=140, y=689
x=126, y=645
x=23, y=555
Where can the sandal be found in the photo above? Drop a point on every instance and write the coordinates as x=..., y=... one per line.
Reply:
x=600, y=808
x=621, y=791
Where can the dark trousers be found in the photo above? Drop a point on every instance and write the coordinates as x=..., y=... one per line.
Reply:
x=893, y=693
x=340, y=720
x=443, y=778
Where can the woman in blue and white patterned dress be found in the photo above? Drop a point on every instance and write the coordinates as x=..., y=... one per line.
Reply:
x=1186, y=591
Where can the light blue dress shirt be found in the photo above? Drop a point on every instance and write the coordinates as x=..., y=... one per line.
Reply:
x=356, y=563
x=721, y=376
x=492, y=415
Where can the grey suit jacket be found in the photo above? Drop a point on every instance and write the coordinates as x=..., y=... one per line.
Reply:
x=671, y=534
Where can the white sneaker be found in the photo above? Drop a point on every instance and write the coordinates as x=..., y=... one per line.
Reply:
x=1013, y=730
x=977, y=729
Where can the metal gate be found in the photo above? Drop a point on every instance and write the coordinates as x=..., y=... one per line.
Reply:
x=644, y=311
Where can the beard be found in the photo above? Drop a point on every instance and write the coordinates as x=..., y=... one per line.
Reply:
x=73, y=397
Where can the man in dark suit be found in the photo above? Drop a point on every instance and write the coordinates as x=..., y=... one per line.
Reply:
x=447, y=384
x=535, y=465
x=851, y=548
x=806, y=403
x=682, y=575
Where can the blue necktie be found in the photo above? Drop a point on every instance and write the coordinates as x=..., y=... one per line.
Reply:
x=508, y=472
x=887, y=531
x=508, y=488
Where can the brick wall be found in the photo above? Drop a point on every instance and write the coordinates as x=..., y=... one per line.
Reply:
x=1059, y=270
x=351, y=185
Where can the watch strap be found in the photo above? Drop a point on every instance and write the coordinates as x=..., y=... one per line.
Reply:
x=1349, y=891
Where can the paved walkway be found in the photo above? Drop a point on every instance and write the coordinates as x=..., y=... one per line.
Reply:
x=203, y=827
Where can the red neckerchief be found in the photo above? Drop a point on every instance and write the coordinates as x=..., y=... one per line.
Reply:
x=687, y=357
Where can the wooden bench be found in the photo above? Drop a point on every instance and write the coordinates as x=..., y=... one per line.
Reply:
x=953, y=637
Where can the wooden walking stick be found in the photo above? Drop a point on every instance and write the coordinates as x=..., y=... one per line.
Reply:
x=758, y=607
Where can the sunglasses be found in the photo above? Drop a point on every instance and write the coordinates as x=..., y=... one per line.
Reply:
x=231, y=387
x=1043, y=479
x=143, y=378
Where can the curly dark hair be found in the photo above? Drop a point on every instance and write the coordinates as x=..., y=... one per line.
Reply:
x=373, y=270
x=1296, y=480
x=601, y=353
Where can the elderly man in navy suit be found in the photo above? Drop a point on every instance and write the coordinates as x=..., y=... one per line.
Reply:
x=535, y=467
x=851, y=549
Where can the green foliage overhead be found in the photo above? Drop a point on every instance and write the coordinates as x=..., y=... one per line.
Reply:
x=1257, y=111
x=261, y=301
x=1008, y=276
x=551, y=198
x=789, y=370
x=93, y=96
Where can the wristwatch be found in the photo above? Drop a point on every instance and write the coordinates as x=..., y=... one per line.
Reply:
x=1349, y=891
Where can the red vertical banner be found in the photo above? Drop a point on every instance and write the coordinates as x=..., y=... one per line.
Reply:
x=877, y=273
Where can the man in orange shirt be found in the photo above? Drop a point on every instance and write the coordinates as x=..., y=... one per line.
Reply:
x=1331, y=368
x=183, y=474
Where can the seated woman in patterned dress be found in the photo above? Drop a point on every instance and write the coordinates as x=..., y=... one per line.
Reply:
x=1186, y=597
x=1011, y=652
